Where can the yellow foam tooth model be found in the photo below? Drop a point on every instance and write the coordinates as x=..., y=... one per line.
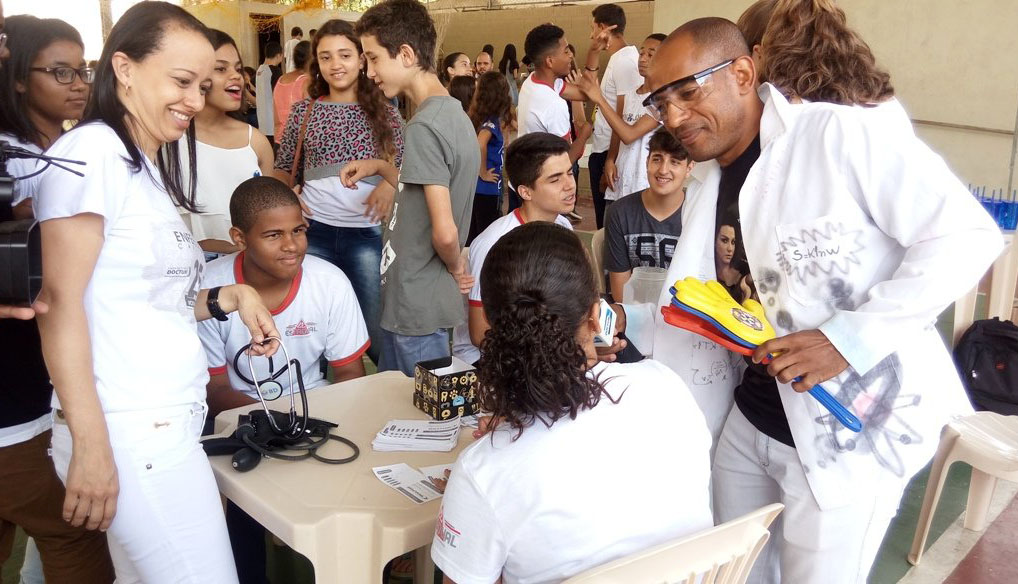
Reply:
x=747, y=321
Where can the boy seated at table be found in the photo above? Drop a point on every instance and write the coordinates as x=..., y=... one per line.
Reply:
x=539, y=168
x=316, y=310
x=642, y=228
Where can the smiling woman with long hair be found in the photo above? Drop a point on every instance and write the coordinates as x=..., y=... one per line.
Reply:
x=349, y=119
x=560, y=484
x=229, y=151
x=122, y=276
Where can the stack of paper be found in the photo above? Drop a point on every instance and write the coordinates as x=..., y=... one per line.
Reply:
x=418, y=435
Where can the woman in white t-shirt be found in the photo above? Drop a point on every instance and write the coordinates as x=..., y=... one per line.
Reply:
x=122, y=277
x=228, y=150
x=586, y=461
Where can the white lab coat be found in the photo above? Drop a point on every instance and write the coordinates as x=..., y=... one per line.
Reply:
x=710, y=370
x=853, y=226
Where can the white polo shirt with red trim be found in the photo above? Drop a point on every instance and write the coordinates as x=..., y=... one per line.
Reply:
x=542, y=108
x=319, y=317
x=462, y=347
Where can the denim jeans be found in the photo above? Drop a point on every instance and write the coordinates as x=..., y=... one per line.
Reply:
x=402, y=352
x=358, y=252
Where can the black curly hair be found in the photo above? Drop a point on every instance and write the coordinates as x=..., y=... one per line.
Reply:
x=538, y=293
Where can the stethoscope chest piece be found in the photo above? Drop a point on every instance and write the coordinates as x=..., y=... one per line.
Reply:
x=271, y=390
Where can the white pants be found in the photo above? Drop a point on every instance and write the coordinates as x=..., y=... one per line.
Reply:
x=169, y=525
x=807, y=545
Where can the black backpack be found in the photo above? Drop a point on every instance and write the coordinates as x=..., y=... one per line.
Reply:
x=987, y=360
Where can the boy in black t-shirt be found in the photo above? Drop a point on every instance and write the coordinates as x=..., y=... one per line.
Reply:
x=641, y=229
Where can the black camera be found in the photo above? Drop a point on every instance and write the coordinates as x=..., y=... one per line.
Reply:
x=20, y=241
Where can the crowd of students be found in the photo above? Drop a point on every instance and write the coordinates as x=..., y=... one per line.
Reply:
x=342, y=229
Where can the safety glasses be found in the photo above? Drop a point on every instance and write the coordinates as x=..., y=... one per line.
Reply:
x=683, y=93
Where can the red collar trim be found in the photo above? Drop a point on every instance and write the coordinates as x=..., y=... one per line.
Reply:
x=238, y=274
x=519, y=216
x=536, y=80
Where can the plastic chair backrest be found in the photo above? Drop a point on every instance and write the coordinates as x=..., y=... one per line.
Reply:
x=597, y=258
x=720, y=555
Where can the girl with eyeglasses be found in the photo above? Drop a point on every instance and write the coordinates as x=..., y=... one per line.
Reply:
x=122, y=276
x=45, y=83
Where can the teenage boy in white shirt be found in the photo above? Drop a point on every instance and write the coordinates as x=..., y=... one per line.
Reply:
x=296, y=35
x=264, y=87
x=624, y=169
x=315, y=307
x=538, y=166
x=621, y=76
x=857, y=236
x=541, y=107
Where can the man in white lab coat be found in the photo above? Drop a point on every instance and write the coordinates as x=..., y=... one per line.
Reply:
x=856, y=236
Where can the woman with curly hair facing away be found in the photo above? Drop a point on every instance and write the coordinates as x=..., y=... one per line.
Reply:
x=349, y=120
x=491, y=112
x=561, y=483
x=806, y=49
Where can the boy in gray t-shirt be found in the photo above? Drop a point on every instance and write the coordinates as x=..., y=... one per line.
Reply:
x=423, y=273
x=641, y=229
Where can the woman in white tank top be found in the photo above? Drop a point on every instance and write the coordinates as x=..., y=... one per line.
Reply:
x=228, y=151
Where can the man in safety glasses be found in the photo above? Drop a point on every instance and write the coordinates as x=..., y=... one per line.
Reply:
x=854, y=236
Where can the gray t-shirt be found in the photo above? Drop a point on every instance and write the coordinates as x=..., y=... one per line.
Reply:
x=634, y=238
x=419, y=295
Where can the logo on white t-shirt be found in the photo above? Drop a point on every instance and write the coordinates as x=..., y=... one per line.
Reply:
x=301, y=329
x=175, y=275
x=445, y=532
x=184, y=239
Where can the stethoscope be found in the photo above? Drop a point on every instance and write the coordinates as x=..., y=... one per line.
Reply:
x=297, y=424
x=270, y=388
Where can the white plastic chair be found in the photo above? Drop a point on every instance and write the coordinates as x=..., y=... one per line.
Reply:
x=720, y=555
x=597, y=258
x=989, y=442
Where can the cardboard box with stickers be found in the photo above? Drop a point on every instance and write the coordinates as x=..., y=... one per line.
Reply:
x=445, y=388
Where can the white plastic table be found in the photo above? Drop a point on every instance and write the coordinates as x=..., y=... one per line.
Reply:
x=342, y=518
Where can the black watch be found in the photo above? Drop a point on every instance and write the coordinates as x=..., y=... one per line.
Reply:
x=213, y=305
